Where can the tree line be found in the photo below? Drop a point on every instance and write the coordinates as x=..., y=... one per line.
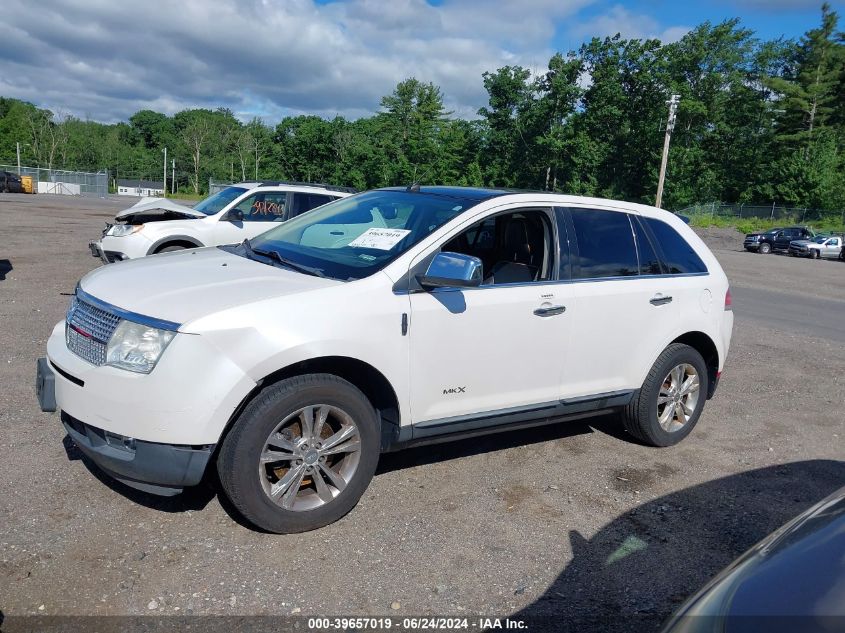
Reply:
x=758, y=121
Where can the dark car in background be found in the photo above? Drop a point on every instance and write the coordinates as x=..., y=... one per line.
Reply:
x=777, y=239
x=10, y=182
x=793, y=580
x=761, y=242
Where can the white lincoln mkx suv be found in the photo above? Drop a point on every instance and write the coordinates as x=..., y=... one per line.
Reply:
x=387, y=319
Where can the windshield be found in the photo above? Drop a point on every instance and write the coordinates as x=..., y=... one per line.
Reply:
x=214, y=203
x=821, y=239
x=355, y=237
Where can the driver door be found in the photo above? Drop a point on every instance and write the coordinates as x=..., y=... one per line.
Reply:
x=832, y=247
x=260, y=213
x=479, y=351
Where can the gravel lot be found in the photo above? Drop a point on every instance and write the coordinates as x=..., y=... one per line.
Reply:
x=568, y=521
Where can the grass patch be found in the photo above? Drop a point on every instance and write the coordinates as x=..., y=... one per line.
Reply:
x=754, y=225
x=185, y=196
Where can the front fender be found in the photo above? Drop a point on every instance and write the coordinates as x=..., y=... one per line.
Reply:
x=174, y=238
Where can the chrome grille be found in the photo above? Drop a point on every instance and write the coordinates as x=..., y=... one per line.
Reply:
x=88, y=330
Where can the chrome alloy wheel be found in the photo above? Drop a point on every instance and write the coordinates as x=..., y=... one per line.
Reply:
x=678, y=397
x=310, y=457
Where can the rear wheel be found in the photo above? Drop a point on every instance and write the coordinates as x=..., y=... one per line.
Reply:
x=301, y=454
x=671, y=399
x=765, y=249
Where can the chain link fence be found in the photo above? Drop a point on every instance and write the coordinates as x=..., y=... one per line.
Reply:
x=60, y=181
x=764, y=211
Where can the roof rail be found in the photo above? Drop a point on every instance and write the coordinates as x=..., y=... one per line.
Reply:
x=273, y=183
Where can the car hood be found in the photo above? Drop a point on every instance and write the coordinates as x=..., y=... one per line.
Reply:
x=153, y=205
x=185, y=285
x=799, y=242
x=797, y=570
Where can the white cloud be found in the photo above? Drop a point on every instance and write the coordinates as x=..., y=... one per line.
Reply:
x=108, y=59
x=630, y=25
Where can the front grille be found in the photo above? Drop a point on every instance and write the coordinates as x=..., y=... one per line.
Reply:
x=88, y=330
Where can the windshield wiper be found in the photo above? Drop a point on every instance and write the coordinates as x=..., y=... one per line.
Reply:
x=274, y=255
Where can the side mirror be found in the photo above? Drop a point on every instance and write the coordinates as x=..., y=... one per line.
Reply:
x=235, y=215
x=452, y=270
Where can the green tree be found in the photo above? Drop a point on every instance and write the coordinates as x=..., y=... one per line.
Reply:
x=809, y=94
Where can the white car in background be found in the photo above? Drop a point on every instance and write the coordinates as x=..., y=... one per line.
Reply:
x=236, y=213
x=828, y=246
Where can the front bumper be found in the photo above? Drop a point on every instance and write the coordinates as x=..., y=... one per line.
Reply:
x=751, y=246
x=187, y=399
x=108, y=257
x=162, y=469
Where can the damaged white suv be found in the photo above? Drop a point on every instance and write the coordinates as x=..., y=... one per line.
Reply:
x=387, y=319
x=233, y=214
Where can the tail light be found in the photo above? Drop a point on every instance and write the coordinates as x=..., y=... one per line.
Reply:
x=728, y=300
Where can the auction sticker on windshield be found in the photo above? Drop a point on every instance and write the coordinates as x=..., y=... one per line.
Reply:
x=381, y=239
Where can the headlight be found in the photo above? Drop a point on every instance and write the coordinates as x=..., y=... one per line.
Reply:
x=137, y=347
x=119, y=230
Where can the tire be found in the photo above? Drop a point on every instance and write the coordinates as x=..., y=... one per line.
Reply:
x=765, y=249
x=817, y=254
x=170, y=249
x=640, y=417
x=268, y=427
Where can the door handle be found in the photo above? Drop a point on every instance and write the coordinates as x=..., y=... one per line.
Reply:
x=660, y=300
x=550, y=311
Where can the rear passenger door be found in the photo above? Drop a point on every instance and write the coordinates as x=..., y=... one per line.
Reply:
x=625, y=305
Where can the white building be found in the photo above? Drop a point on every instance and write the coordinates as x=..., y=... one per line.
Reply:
x=142, y=188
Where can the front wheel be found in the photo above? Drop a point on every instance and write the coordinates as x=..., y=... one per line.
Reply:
x=765, y=249
x=671, y=399
x=170, y=249
x=301, y=454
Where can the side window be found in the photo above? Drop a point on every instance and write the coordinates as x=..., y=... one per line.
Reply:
x=680, y=257
x=303, y=202
x=263, y=207
x=515, y=247
x=649, y=261
x=605, y=244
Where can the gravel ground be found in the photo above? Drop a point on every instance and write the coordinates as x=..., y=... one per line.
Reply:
x=568, y=521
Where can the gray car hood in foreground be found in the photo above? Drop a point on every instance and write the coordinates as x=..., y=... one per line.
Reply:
x=793, y=580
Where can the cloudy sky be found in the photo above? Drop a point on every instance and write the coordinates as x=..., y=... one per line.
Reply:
x=106, y=59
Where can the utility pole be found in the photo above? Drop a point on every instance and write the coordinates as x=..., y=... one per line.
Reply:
x=164, y=182
x=173, y=177
x=18, y=147
x=670, y=125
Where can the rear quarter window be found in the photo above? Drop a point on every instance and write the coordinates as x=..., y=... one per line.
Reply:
x=680, y=258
